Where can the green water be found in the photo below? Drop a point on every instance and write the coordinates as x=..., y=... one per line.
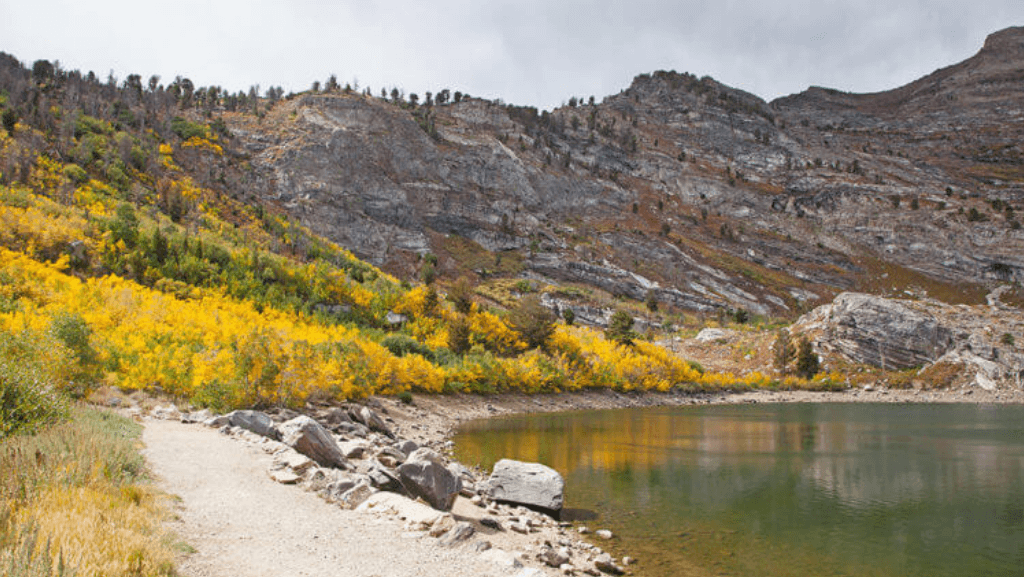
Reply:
x=787, y=489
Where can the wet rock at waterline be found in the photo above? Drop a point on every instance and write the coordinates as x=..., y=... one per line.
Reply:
x=530, y=484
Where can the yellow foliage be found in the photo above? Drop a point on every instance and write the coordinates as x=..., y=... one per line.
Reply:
x=490, y=331
x=204, y=144
x=166, y=154
x=41, y=229
x=47, y=174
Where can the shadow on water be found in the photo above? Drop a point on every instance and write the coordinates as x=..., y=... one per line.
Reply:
x=573, y=515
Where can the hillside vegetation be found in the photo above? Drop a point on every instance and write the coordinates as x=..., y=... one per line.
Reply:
x=120, y=221
x=129, y=258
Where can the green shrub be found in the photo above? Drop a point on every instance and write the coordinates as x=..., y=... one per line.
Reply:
x=620, y=328
x=28, y=402
x=568, y=316
x=185, y=129
x=76, y=174
x=533, y=321
x=30, y=370
x=401, y=345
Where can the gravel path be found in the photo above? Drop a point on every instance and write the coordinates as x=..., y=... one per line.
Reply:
x=242, y=523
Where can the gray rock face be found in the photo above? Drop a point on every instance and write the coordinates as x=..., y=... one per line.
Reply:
x=255, y=421
x=729, y=176
x=530, y=484
x=424, y=475
x=309, y=438
x=898, y=334
x=884, y=332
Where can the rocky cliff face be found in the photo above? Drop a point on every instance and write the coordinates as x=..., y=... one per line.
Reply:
x=678, y=188
x=953, y=345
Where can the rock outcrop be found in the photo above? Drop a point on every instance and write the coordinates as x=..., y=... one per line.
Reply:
x=951, y=345
x=886, y=333
x=678, y=188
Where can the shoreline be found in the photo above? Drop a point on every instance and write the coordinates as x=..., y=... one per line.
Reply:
x=434, y=419
x=524, y=540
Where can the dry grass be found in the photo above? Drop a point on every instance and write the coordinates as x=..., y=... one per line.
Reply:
x=75, y=502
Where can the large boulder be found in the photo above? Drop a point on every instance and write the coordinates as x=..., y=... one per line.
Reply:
x=530, y=484
x=255, y=421
x=425, y=475
x=309, y=438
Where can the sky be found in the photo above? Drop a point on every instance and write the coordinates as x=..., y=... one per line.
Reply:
x=528, y=52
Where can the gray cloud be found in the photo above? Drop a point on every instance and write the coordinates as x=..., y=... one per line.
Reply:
x=527, y=52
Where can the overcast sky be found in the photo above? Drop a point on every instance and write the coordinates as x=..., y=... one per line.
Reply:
x=531, y=52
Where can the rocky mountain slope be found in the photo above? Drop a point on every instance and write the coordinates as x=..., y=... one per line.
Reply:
x=678, y=189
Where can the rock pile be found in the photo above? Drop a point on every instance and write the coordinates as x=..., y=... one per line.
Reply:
x=353, y=459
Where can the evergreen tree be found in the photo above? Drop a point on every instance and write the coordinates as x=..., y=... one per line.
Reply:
x=783, y=352
x=807, y=364
x=533, y=321
x=620, y=328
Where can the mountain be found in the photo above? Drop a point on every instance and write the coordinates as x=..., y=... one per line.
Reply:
x=678, y=189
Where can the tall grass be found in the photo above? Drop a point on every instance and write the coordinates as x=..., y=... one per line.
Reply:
x=74, y=501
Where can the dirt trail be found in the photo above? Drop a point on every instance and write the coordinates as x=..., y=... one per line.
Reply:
x=243, y=523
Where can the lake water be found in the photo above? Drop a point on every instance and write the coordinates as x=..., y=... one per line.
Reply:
x=787, y=489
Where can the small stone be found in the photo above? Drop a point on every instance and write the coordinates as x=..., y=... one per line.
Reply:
x=627, y=561
x=196, y=417
x=520, y=527
x=355, y=496
x=554, y=557
x=285, y=477
x=218, y=421
x=481, y=546
x=604, y=534
x=491, y=523
x=443, y=524
x=170, y=412
x=606, y=564
x=583, y=529
x=256, y=422
x=461, y=532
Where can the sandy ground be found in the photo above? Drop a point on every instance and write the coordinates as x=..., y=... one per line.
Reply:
x=241, y=522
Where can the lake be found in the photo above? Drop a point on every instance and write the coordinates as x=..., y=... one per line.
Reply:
x=838, y=489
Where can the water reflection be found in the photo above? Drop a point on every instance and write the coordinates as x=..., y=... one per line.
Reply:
x=849, y=489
